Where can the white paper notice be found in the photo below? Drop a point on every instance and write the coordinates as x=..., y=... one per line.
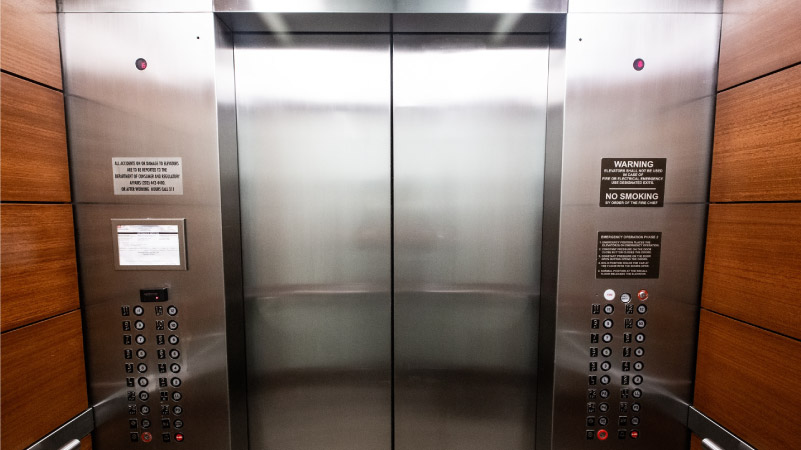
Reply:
x=148, y=245
x=148, y=176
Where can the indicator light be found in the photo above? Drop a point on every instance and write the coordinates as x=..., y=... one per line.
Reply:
x=639, y=64
x=141, y=64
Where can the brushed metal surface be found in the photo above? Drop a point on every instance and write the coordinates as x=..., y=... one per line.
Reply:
x=611, y=110
x=170, y=109
x=134, y=5
x=392, y=6
x=649, y=6
x=314, y=160
x=469, y=137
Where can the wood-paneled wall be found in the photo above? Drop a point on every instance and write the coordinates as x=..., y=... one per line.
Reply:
x=43, y=371
x=749, y=348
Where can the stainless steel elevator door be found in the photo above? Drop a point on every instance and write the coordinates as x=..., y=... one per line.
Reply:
x=469, y=145
x=314, y=158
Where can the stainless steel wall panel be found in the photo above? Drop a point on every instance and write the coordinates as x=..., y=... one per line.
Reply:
x=469, y=118
x=611, y=110
x=134, y=5
x=314, y=140
x=392, y=6
x=115, y=110
x=180, y=106
x=650, y=6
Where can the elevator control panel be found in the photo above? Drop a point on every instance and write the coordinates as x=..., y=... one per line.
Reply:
x=616, y=359
x=153, y=368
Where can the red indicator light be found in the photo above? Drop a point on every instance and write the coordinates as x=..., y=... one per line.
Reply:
x=147, y=437
x=639, y=64
x=602, y=435
x=179, y=437
x=642, y=295
x=141, y=64
x=634, y=434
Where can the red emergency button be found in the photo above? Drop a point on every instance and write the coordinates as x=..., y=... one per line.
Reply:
x=634, y=434
x=147, y=437
x=642, y=295
x=179, y=437
x=602, y=434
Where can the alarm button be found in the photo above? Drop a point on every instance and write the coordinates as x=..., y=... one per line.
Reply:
x=602, y=434
x=642, y=295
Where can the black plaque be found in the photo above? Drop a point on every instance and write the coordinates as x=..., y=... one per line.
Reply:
x=628, y=254
x=633, y=182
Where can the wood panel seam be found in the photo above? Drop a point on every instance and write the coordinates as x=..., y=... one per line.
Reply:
x=41, y=320
x=767, y=74
x=750, y=324
x=30, y=80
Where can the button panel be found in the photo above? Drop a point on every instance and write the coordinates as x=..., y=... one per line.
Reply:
x=153, y=407
x=614, y=392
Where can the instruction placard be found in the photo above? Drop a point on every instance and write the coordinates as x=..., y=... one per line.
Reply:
x=148, y=245
x=148, y=176
x=637, y=182
x=628, y=254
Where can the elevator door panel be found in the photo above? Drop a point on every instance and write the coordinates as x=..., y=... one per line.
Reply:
x=314, y=155
x=469, y=138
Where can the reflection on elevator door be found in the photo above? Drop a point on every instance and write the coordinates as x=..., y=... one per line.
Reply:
x=314, y=150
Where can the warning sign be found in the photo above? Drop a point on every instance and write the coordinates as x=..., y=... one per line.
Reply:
x=147, y=176
x=628, y=254
x=638, y=182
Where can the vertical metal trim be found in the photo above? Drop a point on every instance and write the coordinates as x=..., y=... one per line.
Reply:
x=225, y=91
x=392, y=230
x=550, y=234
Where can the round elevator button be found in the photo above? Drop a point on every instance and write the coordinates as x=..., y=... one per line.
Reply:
x=640, y=323
x=606, y=352
x=172, y=310
x=140, y=339
x=639, y=337
x=141, y=367
x=175, y=354
x=637, y=379
x=606, y=365
x=144, y=396
x=638, y=366
x=642, y=295
x=141, y=353
x=607, y=338
x=609, y=309
x=608, y=323
x=636, y=393
x=172, y=325
x=139, y=325
x=642, y=309
x=177, y=410
x=639, y=351
x=609, y=294
x=175, y=382
x=142, y=381
x=173, y=339
x=625, y=297
x=138, y=310
x=176, y=396
x=635, y=407
x=603, y=421
x=603, y=407
x=144, y=409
